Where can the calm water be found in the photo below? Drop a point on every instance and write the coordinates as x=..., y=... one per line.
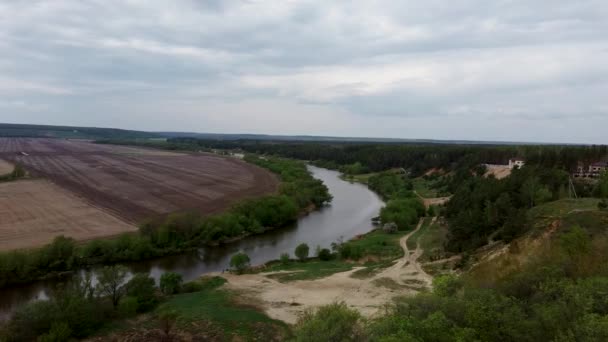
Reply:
x=348, y=215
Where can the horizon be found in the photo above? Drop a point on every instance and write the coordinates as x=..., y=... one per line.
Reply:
x=474, y=71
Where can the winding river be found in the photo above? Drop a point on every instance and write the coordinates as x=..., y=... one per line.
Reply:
x=349, y=214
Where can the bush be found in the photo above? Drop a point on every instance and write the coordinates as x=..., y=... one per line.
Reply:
x=325, y=254
x=285, y=258
x=334, y=322
x=302, y=251
x=170, y=283
x=128, y=306
x=60, y=332
x=240, y=262
x=142, y=288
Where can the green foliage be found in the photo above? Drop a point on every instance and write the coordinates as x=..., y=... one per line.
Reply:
x=240, y=262
x=333, y=322
x=60, y=332
x=170, y=283
x=302, y=251
x=325, y=254
x=111, y=282
x=142, y=288
x=483, y=206
x=389, y=185
x=446, y=285
x=127, y=307
x=602, y=185
x=284, y=258
x=219, y=311
x=404, y=212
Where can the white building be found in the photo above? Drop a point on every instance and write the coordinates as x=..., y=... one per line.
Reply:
x=516, y=162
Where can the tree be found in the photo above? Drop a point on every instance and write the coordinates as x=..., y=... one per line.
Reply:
x=529, y=190
x=302, y=251
x=333, y=322
x=111, y=281
x=603, y=185
x=142, y=288
x=240, y=262
x=324, y=254
x=170, y=283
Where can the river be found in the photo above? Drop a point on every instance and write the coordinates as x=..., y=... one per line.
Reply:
x=348, y=215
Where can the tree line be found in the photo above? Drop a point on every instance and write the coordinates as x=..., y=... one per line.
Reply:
x=176, y=233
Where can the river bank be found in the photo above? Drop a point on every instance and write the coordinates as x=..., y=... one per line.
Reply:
x=348, y=215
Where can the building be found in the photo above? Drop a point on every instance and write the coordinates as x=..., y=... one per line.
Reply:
x=592, y=171
x=513, y=162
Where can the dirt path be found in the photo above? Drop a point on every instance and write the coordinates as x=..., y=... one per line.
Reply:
x=287, y=301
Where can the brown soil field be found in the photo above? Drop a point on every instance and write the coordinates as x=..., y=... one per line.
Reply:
x=33, y=212
x=5, y=167
x=136, y=184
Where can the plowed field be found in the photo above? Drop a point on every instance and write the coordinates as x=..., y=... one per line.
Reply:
x=136, y=183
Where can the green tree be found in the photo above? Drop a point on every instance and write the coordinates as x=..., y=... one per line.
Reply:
x=170, y=283
x=143, y=289
x=447, y=285
x=240, y=262
x=529, y=190
x=333, y=322
x=111, y=281
x=603, y=185
x=302, y=251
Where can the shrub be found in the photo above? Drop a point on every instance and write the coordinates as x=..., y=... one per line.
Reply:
x=333, y=322
x=240, y=262
x=325, y=254
x=128, y=306
x=302, y=251
x=285, y=258
x=143, y=289
x=170, y=283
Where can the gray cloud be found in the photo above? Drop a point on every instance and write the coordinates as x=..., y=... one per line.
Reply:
x=470, y=69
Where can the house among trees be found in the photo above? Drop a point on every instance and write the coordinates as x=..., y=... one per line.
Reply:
x=513, y=162
x=594, y=170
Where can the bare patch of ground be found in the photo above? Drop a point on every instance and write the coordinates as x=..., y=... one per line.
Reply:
x=287, y=301
x=498, y=171
x=5, y=167
x=33, y=212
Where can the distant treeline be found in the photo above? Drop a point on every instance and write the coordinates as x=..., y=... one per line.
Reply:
x=46, y=131
x=354, y=157
x=178, y=232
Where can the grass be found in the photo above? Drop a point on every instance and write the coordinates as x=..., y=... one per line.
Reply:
x=432, y=242
x=308, y=270
x=212, y=313
x=428, y=188
x=362, y=178
x=377, y=250
x=379, y=244
x=543, y=215
x=562, y=207
x=412, y=242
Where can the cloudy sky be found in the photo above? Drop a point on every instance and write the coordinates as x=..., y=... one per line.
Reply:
x=463, y=69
